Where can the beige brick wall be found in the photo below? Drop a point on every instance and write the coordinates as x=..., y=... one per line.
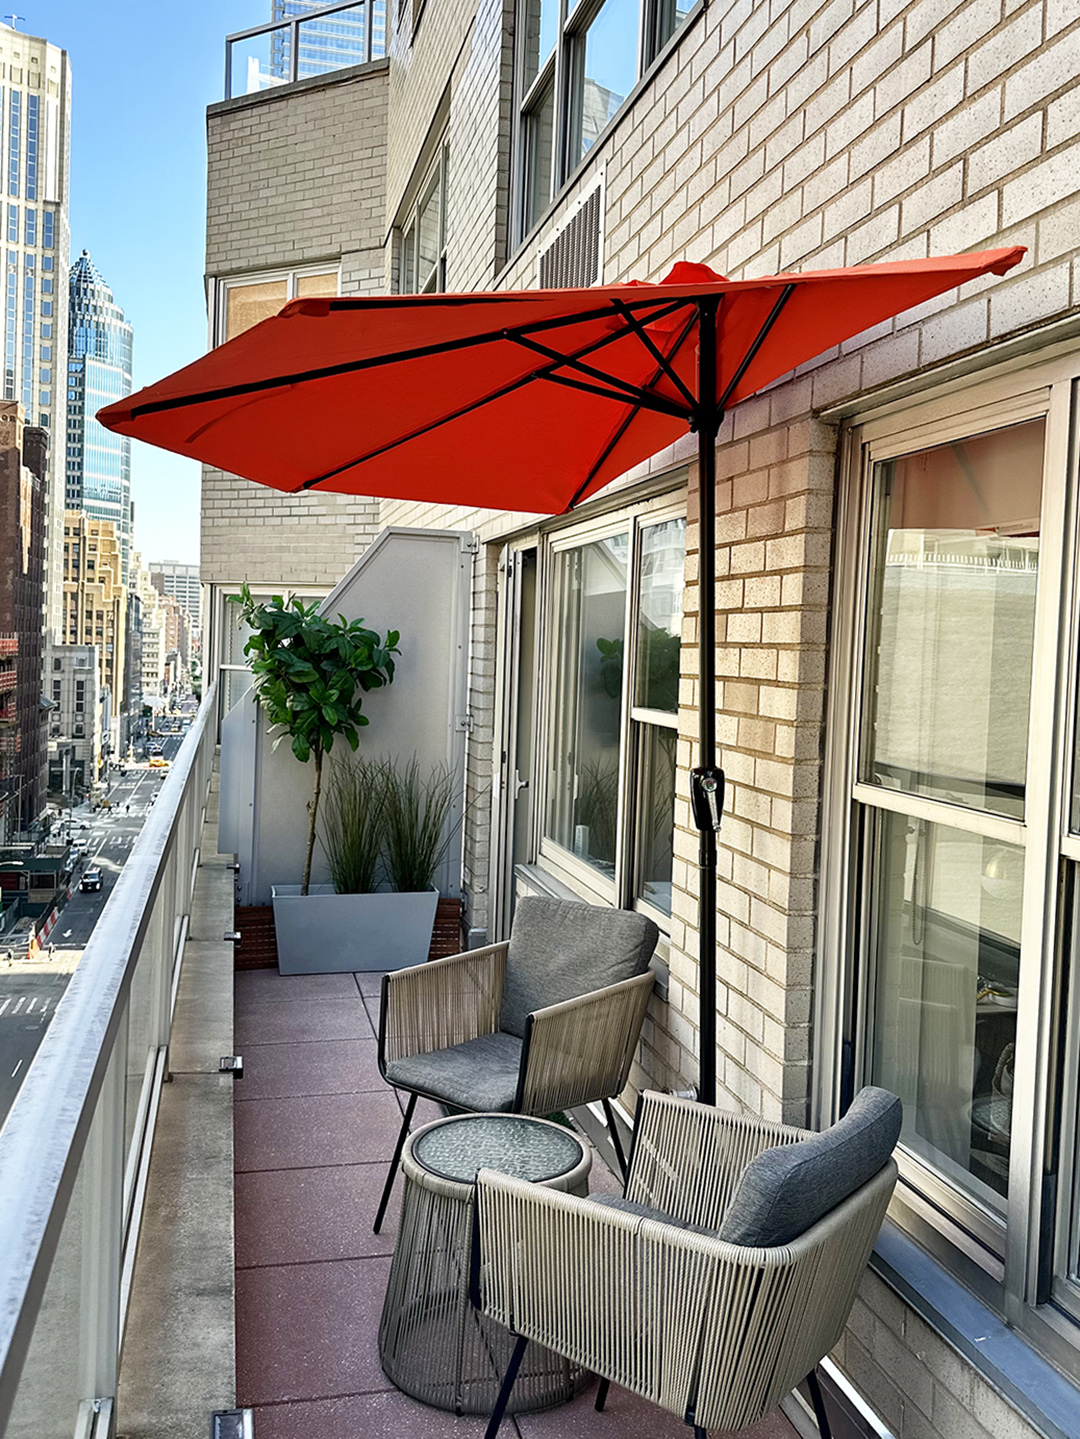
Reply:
x=777, y=133
x=295, y=176
x=801, y=134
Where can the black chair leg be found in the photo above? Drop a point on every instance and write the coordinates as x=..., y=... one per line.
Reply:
x=615, y=1140
x=817, y=1399
x=601, y=1395
x=398, y=1147
x=507, y=1386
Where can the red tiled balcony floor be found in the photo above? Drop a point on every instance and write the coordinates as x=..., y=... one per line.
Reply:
x=314, y=1130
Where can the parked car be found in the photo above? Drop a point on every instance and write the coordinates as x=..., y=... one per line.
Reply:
x=91, y=880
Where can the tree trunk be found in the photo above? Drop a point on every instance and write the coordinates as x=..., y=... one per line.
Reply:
x=313, y=810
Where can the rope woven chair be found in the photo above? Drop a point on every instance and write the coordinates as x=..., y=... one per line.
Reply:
x=546, y=1021
x=721, y=1277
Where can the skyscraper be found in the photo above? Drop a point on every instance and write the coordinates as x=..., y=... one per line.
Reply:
x=329, y=43
x=99, y=371
x=36, y=111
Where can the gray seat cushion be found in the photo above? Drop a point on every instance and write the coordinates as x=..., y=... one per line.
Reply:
x=480, y=1075
x=560, y=949
x=786, y=1190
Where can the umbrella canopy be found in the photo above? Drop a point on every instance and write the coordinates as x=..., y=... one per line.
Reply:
x=529, y=401
x=525, y=400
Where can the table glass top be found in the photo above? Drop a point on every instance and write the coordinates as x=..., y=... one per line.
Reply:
x=512, y=1144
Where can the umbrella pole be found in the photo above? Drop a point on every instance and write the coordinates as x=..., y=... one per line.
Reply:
x=707, y=781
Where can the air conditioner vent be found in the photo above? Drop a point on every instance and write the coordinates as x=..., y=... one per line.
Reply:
x=572, y=256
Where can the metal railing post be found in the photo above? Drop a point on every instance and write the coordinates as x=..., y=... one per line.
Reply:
x=369, y=26
x=294, y=49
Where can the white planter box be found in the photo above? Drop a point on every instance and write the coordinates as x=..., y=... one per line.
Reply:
x=327, y=933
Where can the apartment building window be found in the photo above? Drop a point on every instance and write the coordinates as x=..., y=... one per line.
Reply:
x=952, y=830
x=577, y=61
x=614, y=625
x=246, y=301
x=422, y=264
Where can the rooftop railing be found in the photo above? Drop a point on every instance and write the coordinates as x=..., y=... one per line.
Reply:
x=75, y=1150
x=314, y=43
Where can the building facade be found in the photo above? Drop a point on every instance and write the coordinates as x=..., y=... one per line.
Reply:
x=78, y=720
x=98, y=477
x=23, y=480
x=326, y=42
x=169, y=577
x=95, y=603
x=34, y=178
x=151, y=632
x=897, y=562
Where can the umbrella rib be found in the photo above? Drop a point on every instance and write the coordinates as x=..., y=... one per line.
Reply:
x=497, y=394
x=643, y=396
x=624, y=425
x=657, y=354
x=420, y=352
x=748, y=359
x=641, y=402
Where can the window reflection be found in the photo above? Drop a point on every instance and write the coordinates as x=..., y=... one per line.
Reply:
x=656, y=815
x=590, y=618
x=948, y=912
x=539, y=20
x=605, y=71
x=663, y=551
x=540, y=151
x=951, y=680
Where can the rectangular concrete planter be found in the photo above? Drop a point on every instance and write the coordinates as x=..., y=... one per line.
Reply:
x=328, y=933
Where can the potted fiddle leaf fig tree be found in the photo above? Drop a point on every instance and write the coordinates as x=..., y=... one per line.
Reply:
x=311, y=674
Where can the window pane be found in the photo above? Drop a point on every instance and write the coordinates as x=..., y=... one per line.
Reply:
x=246, y=305
x=656, y=815
x=320, y=286
x=947, y=920
x=408, y=262
x=590, y=616
x=663, y=550
x=670, y=16
x=606, y=72
x=539, y=21
x=950, y=681
x=540, y=151
x=428, y=228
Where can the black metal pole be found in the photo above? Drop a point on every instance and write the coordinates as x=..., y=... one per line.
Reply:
x=708, y=424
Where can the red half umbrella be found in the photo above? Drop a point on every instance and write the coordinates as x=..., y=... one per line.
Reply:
x=530, y=401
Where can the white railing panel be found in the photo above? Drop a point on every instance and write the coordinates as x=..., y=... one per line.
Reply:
x=75, y=1146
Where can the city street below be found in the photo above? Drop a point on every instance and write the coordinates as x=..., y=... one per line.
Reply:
x=31, y=988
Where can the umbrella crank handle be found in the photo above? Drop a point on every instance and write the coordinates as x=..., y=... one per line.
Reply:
x=707, y=786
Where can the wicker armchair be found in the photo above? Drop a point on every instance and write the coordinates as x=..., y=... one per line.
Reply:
x=544, y=1022
x=718, y=1281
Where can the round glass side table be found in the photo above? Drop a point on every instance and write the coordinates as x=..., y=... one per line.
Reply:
x=432, y=1344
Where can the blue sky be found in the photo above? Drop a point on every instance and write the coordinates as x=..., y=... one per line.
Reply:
x=143, y=73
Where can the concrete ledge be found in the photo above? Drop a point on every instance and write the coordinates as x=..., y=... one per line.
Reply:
x=179, y=1356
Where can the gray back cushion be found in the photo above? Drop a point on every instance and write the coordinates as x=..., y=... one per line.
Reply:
x=561, y=949
x=786, y=1190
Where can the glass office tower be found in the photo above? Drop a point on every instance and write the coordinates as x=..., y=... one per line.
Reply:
x=99, y=372
x=329, y=43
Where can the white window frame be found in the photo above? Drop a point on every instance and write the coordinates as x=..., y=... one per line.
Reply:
x=436, y=178
x=576, y=874
x=222, y=287
x=556, y=70
x=1007, y=1265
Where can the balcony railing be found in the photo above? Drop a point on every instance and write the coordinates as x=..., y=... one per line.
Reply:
x=316, y=43
x=75, y=1150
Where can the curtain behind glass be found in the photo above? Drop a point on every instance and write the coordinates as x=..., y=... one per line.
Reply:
x=589, y=627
